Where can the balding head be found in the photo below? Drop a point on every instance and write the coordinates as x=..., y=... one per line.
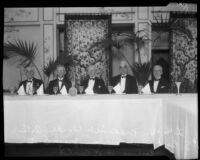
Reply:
x=29, y=72
x=91, y=70
x=157, y=71
x=123, y=68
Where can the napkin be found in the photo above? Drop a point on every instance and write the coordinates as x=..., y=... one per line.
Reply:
x=146, y=89
x=40, y=90
x=89, y=90
x=21, y=90
x=63, y=91
x=117, y=89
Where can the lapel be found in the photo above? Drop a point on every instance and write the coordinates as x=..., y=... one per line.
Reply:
x=151, y=84
x=159, y=85
x=24, y=84
x=126, y=83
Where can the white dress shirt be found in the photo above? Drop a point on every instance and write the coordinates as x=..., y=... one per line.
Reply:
x=89, y=89
x=29, y=87
x=60, y=82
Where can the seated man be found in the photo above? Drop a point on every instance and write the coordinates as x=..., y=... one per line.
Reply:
x=157, y=84
x=124, y=83
x=61, y=83
x=31, y=85
x=93, y=84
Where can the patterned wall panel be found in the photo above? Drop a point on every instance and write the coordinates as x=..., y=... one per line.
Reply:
x=21, y=14
x=80, y=35
x=184, y=54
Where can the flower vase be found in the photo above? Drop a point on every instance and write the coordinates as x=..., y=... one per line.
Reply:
x=140, y=87
x=178, y=84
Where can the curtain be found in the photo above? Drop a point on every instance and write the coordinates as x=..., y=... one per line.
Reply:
x=183, y=52
x=81, y=32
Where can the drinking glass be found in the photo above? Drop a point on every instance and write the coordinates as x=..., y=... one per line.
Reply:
x=55, y=90
x=110, y=88
x=80, y=88
x=178, y=87
x=12, y=89
x=140, y=89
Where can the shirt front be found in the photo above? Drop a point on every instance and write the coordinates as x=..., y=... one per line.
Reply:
x=91, y=83
x=60, y=82
x=89, y=89
x=29, y=86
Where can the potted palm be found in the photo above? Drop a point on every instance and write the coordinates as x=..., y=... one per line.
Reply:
x=24, y=50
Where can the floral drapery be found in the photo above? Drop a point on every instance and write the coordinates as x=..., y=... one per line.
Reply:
x=184, y=55
x=80, y=33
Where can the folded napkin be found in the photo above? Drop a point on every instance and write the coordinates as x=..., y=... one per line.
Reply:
x=21, y=90
x=40, y=90
x=117, y=89
x=89, y=90
x=63, y=91
x=146, y=89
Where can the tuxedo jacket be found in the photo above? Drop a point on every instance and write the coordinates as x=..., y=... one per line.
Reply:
x=130, y=84
x=163, y=86
x=55, y=83
x=99, y=86
x=36, y=84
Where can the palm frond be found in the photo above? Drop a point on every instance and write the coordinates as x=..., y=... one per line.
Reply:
x=142, y=72
x=49, y=68
x=63, y=59
x=21, y=48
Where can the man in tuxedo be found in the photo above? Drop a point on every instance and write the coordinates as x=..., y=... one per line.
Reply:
x=31, y=84
x=158, y=84
x=59, y=82
x=126, y=82
x=93, y=84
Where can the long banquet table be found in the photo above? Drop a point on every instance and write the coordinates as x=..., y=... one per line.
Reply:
x=159, y=119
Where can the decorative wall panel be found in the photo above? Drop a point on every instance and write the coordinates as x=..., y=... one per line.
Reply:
x=48, y=43
x=184, y=55
x=80, y=33
x=47, y=14
x=21, y=14
x=143, y=12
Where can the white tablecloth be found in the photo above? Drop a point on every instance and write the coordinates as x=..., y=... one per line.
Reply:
x=168, y=120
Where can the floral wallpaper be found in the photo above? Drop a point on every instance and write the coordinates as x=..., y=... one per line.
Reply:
x=184, y=56
x=79, y=36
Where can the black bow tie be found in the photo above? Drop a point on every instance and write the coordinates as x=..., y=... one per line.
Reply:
x=123, y=76
x=91, y=78
x=29, y=81
x=156, y=80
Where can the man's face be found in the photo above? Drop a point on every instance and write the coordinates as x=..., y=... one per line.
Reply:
x=61, y=71
x=91, y=71
x=123, y=69
x=157, y=72
x=29, y=74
